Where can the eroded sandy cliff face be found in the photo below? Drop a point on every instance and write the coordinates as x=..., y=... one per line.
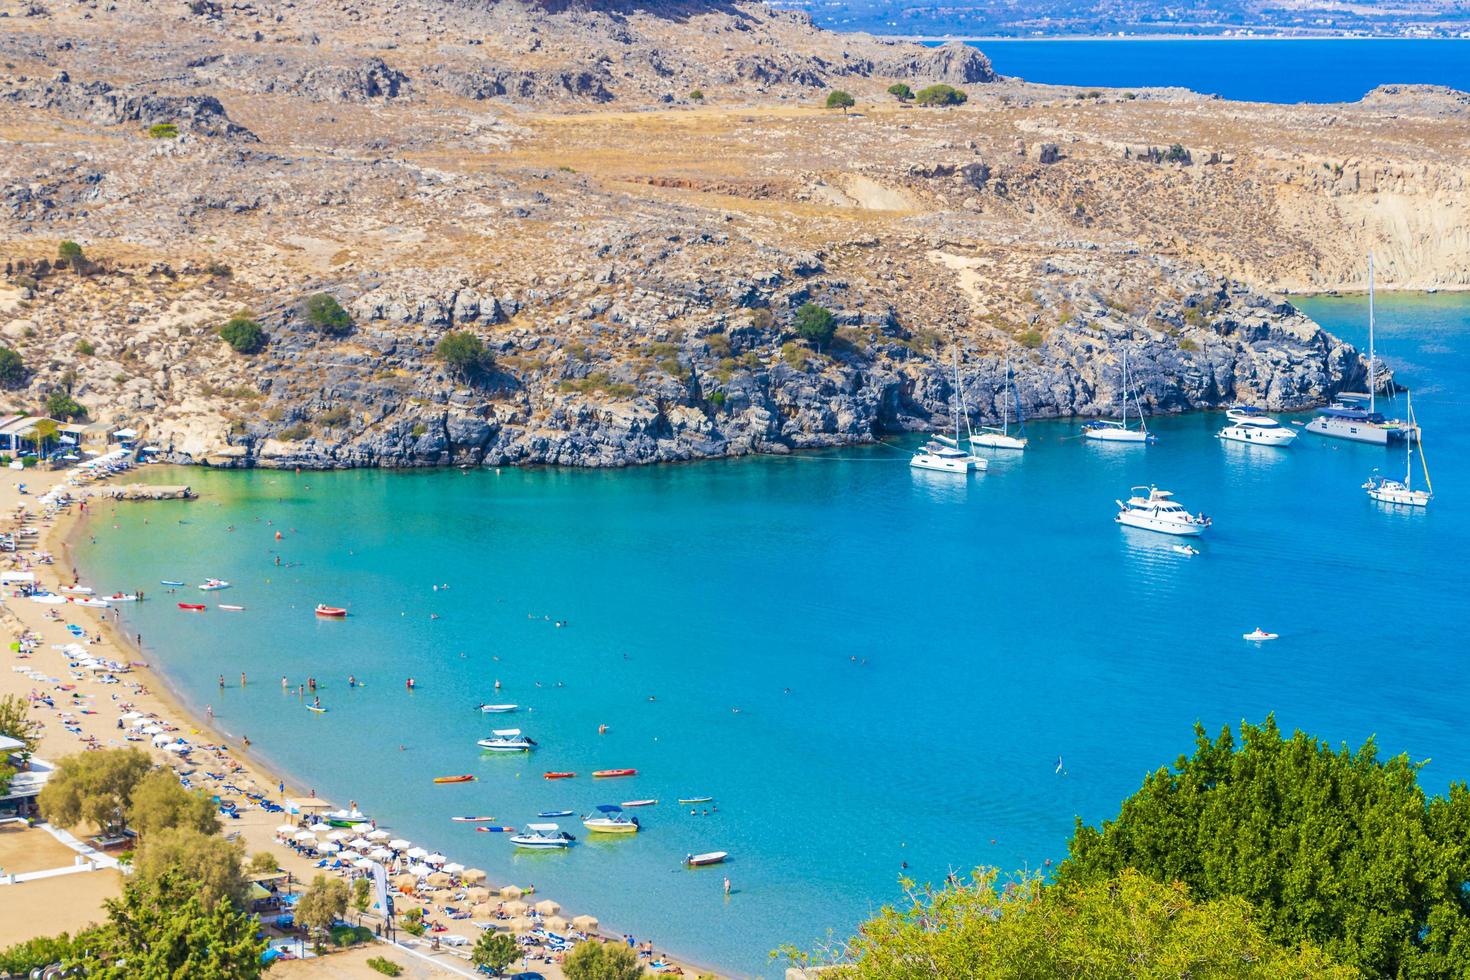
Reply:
x=633, y=257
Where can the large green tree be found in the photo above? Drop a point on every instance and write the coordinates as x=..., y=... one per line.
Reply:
x=1123, y=928
x=326, y=314
x=162, y=928
x=602, y=961
x=324, y=903
x=1333, y=846
x=464, y=352
x=160, y=802
x=16, y=722
x=816, y=324
x=95, y=787
x=216, y=865
x=494, y=951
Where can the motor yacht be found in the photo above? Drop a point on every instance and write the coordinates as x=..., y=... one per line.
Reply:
x=1152, y=509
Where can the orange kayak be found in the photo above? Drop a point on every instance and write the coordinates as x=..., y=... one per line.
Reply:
x=454, y=779
x=610, y=773
x=560, y=775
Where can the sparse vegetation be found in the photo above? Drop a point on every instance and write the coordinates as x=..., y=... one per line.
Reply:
x=335, y=416
x=815, y=323
x=61, y=405
x=12, y=368
x=1031, y=339
x=295, y=433
x=1177, y=154
x=219, y=270
x=464, y=353
x=243, y=333
x=696, y=96
x=598, y=381
x=901, y=92
x=385, y=966
x=164, y=131
x=940, y=95
x=326, y=314
x=85, y=348
x=838, y=99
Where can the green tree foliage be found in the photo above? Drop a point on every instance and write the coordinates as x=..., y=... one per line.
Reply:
x=61, y=405
x=494, y=951
x=696, y=96
x=464, y=353
x=34, y=954
x=71, y=253
x=602, y=961
x=162, y=927
x=327, y=315
x=164, y=131
x=362, y=895
x=1334, y=847
x=12, y=368
x=940, y=95
x=901, y=92
x=324, y=903
x=16, y=721
x=1119, y=929
x=838, y=99
x=159, y=802
x=243, y=333
x=815, y=324
x=95, y=787
x=1177, y=154
x=264, y=862
x=216, y=865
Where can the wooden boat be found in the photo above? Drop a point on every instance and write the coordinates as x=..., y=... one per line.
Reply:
x=331, y=612
x=613, y=773
x=229, y=608
x=471, y=819
x=192, y=606
x=560, y=775
x=700, y=860
x=629, y=804
x=686, y=800
x=454, y=779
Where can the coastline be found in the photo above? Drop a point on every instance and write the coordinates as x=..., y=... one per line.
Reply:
x=148, y=689
x=993, y=38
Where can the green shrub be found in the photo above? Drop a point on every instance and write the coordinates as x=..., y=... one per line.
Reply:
x=384, y=966
x=164, y=131
x=1188, y=344
x=796, y=356
x=1031, y=339
x=1177, y=154
x=61, y=405
x=838, y=99
x=86, y=348
x=717, y=399
x=295, y=433
x=901, y=92
x=351, y=935
x=464, y=352
x=418, y=430
x=243, y=334
x=696, y=96
x=335, y=416
x=12, y=368
x=219, y=270
x=327, y=315
x=815, y=323
x=598, y=381
x=941, y=95
x=718, y=344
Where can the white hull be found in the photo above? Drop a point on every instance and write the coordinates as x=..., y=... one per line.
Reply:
x=1109, y=434
x=1257, y=435
x=1400, y=496
x=541, y=843
x=958, y=465
x=1353, y=431
x=1146, y=523
x=995, y=440
x=489, y=746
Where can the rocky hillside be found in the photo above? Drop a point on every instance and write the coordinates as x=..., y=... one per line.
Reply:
x=627, y=206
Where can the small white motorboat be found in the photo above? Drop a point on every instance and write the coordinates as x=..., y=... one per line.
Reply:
x=89, y=601
x=506, y=740
x=498, y=709
x=213, y=585
x=77, y=590
x=1258, y=635
x=629, y=804
x=610, y=820
x=1152, y=509
x=1184, y=549
x=946, y=459
x=543, y=837
x=1253, y=426
x=700, y=860
x=48, y=598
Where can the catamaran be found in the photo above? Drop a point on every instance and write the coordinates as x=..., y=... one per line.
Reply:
x=989, y=437
x=1252, y=425
x=1152, y=509
x=1355, y=416
x=944, y=454
x=1402, y=492
x=1116, y=430
x=506, y=740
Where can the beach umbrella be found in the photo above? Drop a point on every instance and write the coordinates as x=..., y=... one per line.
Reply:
x=435, y=858
x=338, y=835
x=161, y=739
x=547, y=907
x=177, y=747
x=476, y=895
x=517, y=908
x=440, y=880
x=328, y=848
x=555, y=923
x=305, y=835
x=454, y=869
x=420, y=870
x=585, y=923
x=364, y=863
x=521, y=924
x=380, y=854
x=378, y=835
x=484, y=911
x=350, y=855
x=398, y=844
x=473, y=876
x=404, y=881
x=414, y=853
x=511, y=891
x=320, y=828
x=286, y=829
x=360, y=843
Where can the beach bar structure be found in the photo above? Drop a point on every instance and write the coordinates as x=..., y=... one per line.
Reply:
x=18, y=433
x=20, y=799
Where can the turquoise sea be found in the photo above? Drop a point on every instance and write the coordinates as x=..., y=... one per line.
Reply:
x=910, y=653
x=1324, y=70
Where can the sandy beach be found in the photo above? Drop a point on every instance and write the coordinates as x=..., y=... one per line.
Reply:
x=89, y=711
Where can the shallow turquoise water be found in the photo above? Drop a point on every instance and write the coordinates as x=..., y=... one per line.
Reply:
x=997, y=622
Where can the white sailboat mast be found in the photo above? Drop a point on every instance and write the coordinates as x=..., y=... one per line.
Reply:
x=1372, y=388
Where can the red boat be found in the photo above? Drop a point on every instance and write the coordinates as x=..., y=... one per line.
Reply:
x=334, y=612
x=192, y=606
x=454, y=779
x=560, y=775
x=610, y=773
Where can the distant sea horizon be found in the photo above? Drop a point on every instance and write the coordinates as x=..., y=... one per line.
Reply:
x=1249, y=69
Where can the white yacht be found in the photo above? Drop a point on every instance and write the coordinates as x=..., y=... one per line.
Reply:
x=1152, y=509
x=506, y=740
x=1252, y=425
x=1402, y=492
x=943, y=454
x=1355, y=416
x=989, y=437
x=1116, y=430
x=543, y=837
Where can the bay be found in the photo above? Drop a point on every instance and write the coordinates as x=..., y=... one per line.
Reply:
x=909, y=653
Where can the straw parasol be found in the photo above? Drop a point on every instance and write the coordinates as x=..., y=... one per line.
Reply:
x=585, y=923
x=511, y=891
x=516, y=907
x=477, y=894
x=521, y=924
x=555, y=923
x=483, y=911
x=547, y=907
x=439, y=880
x=472, y=876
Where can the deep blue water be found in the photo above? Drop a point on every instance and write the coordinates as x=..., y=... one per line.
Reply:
x=998, y=622
x=1335, y=70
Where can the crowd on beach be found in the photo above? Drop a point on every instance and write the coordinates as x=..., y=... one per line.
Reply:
x=88, y=700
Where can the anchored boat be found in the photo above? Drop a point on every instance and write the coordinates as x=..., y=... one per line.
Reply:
x=543, y=837
x=610, y=820
x=943, y=454
x=1152, y=509
x=1116, y=430
x=506, y=740
x=613, y=773
x=700, y=860
x=1355, y=416
x=1402, y=492
x=989, y=437
x=454, y=779
x=213, y=585
x=498, y=709
x=1252, y=425
x=330, y=612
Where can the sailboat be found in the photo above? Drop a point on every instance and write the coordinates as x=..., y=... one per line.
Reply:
x=1353, y=415
x=990, y=437
x=944, y=454
x=1388, y=491
x=1116, y=430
